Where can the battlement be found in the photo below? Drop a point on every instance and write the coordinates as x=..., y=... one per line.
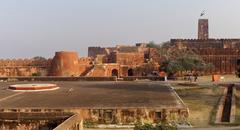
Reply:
x=85, y=60
x=24, y=62
x=204, y=40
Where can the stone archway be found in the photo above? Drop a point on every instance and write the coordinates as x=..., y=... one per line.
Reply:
x=115, y=72
x=130, y=72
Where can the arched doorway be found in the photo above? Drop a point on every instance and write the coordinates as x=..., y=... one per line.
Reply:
x=130, y=72
x=115, y=72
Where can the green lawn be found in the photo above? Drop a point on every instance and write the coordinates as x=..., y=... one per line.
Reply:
x=237, y=106
x=202, y=103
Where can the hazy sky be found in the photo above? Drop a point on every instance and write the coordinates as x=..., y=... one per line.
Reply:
x=40, y=27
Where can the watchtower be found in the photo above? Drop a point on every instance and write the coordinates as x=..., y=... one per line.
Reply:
x=203, y=29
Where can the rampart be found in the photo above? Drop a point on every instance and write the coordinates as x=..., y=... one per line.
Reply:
x=24, y=67
x=222, y=54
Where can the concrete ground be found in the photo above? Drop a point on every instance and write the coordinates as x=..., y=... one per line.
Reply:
x=92, y=94
x=212, y=128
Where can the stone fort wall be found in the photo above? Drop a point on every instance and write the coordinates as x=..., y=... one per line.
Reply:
x=60, y=65
x=223, y=54
x=24, y=67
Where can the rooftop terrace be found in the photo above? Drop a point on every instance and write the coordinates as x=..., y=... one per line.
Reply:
x=82, y=94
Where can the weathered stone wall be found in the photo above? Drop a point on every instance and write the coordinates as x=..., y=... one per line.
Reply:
x=24, y=62
x=134, y=115
x=130, y=58
x=221, y=53
x=94, y=51
x=24, y=71
x=24, y=67
x=153, y=55
x=101, y=62
x=207, y=43
x=126, y=58
x=95, y=116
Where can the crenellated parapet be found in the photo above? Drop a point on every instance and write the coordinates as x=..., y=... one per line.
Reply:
x=85, y=60
x=25, y=62
x=204, y=40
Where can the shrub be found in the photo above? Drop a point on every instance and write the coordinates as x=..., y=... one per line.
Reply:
x=36, y=74
x=155, y=127
x=89, y=123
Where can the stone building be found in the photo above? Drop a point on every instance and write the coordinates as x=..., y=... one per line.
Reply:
x=123, y=60
x=112, y=61
x=223, y=54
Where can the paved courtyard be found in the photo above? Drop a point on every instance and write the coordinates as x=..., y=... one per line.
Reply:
x=92, y=94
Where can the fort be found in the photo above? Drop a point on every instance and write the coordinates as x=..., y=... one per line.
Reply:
x=223, y=54
x=116, y=61
x=76, y=103
x=123, y=61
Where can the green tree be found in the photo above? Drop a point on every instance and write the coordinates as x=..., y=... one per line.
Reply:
x=174, y=59
x=39, y=58
x=183, y=60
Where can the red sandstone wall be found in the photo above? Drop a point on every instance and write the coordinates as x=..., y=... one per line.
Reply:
x=94, y=51
x=221, y=53
x=130, y=58
x=23, y=71
x=24, y=67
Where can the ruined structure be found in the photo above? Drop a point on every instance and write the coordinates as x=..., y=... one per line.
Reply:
x=24, y=67
x=123, y=60
x=115, y=61
x=223, y=54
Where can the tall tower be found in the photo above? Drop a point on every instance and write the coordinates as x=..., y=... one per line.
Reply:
x=203, y=29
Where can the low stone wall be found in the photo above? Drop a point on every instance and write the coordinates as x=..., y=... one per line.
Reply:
x=60, y=78
x=72, y=123
x=133, y=78
x=30, y=121
x=51, y=78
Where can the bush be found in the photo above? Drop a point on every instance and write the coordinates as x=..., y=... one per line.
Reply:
x=155, y=127
x=88, y=123
x=36, y=74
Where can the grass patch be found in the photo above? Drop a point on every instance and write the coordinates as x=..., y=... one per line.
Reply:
x=237, y=119
x=202, y=104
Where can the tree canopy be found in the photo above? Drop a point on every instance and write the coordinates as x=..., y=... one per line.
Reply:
x=174, y=59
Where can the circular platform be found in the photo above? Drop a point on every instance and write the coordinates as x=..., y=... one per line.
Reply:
x=33, y=87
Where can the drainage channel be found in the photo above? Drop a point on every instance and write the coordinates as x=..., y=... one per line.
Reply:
x=226, y=109
x=226, y=113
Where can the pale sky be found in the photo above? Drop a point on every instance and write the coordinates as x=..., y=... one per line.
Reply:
x=31, y=28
